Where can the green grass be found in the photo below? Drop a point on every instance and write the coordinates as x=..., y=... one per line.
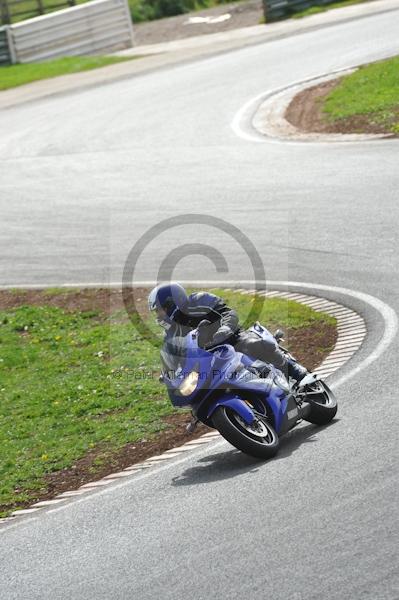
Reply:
x=15, y=75
x=319, y=8
x=373, y=90
x=74, y=381
x=29, y=8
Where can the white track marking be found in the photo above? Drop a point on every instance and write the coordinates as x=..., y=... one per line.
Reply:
x=118, y=284
x=247, y=111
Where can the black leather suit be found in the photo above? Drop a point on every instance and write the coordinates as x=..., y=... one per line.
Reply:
x=225, y=325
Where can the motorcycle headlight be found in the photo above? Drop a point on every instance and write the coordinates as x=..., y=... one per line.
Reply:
x=189, y=384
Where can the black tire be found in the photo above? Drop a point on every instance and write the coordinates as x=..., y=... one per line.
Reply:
x=323, y=403
x=227, y=422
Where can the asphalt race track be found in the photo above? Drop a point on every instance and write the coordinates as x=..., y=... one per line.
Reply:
x=84, y=175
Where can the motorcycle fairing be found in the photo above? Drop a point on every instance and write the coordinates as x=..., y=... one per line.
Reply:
x=234, y=402
x=290, y=414
x=225, y=369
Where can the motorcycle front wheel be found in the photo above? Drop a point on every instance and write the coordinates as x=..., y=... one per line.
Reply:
x=258, y=439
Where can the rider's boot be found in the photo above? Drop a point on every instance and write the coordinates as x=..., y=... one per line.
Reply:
x=295, y=370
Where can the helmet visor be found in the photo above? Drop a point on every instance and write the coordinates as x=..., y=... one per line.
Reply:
x=152, y=299
x=161, y=317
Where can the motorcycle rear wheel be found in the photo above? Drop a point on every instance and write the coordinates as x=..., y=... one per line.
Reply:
x=323, y=404
x=259, y=440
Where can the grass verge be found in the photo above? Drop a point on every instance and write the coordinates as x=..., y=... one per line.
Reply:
x=76, y=379
x=371, y=92
x=15, y=75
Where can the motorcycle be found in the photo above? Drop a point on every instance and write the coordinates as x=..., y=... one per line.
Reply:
x=226, y=391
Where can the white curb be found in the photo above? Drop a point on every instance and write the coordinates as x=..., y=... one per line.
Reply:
x=270, y=118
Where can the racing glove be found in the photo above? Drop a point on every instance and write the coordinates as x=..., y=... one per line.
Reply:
x=221, y=335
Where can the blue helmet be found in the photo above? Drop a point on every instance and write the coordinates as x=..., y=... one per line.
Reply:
x=166, y=300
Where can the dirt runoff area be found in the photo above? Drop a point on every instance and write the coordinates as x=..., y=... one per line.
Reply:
x=310, y=346
x=212, y=20
x=305, y=112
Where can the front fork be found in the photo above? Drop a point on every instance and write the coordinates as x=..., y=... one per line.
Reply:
x=192, y=425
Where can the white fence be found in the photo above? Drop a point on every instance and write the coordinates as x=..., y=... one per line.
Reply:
x=97, y=27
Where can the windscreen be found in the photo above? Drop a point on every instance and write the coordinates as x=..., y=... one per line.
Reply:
x=173, y=354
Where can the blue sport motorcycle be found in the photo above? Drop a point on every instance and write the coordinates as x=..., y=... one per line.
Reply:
x=227, y=392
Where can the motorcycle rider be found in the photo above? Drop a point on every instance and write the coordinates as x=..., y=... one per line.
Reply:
x=179, y=313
